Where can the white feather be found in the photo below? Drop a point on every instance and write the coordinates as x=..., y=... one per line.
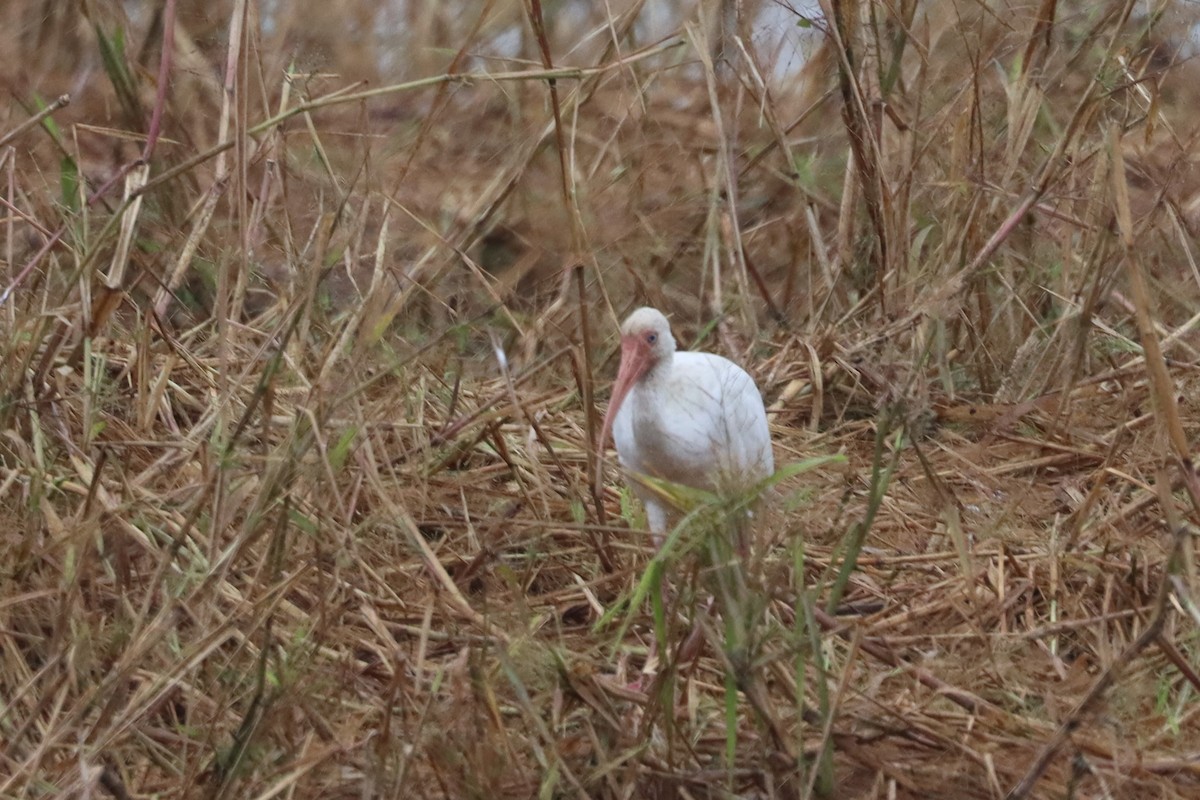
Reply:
x=695, y=419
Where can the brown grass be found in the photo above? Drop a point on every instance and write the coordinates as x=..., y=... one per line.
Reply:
x=305, y=346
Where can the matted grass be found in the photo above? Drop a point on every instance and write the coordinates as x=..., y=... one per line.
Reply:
x=309, y=321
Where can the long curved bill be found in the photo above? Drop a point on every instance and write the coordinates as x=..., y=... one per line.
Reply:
x=635, y=360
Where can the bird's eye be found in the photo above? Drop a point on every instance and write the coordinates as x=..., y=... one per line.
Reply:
x=651, y=338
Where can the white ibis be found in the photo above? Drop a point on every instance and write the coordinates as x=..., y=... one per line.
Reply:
x=695, y=419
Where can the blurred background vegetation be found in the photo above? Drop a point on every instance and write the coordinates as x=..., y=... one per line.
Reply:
x=309, y=311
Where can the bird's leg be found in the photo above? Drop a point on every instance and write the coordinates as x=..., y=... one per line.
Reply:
x=689, y=651
x=656, y=520
x=692, y=646
x=650, y=668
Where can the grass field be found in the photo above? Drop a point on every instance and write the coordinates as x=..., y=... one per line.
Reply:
x=309, y=317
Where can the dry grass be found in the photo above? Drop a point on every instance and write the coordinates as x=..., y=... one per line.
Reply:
x=300, y=374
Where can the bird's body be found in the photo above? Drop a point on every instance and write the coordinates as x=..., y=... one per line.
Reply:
x=691, y=418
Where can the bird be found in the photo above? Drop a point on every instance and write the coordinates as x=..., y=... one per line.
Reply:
x=687, y=417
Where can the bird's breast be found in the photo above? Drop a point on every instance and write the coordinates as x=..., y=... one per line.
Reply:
x=702, y=424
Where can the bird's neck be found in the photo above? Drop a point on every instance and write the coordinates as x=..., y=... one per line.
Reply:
x=657, y=372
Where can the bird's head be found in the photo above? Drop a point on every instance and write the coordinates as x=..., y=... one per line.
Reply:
x=646, y=342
